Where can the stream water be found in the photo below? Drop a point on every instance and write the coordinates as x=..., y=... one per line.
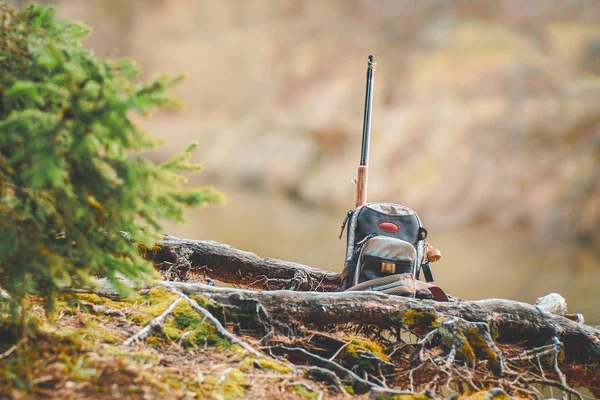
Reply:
x=478, y=262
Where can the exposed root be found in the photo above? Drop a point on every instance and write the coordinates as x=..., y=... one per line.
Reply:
x=68, y=355
x=217, y=325
x=8, y=352
x=103, y=310
x=5, y=296
x=319, y=374
x=307, y=387
x=360, y=385
x=547, y=382
x=461, y=347
x=152, y=327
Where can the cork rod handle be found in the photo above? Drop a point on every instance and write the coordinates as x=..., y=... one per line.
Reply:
x=361, y=185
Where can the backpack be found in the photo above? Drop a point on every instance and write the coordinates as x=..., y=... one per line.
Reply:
x=386, y=251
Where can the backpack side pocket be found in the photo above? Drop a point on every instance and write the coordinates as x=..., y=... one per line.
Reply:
x=382, y=256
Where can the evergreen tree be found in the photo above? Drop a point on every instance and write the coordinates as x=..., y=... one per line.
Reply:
x=72, y=180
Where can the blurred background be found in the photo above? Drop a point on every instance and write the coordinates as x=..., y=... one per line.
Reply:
x=486, y=121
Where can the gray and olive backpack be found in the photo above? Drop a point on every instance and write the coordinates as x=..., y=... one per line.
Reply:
x=386, y=251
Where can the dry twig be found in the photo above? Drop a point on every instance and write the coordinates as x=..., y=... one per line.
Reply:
x=152, y=326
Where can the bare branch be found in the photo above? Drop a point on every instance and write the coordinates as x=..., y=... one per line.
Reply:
x=217, y=325
x=153, y=326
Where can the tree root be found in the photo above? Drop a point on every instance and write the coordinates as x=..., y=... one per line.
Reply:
x=319, y=374
x=458, y=344
x=511, y=321
x=152, y=327
x=223, y=332
x=103, y=310
x=462, y=346
x=360, y=385
x=547, y=382
x=307, y=387
x=217, y=325
x=492, y=337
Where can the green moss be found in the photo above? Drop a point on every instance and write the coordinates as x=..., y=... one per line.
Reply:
x=485, y=395
x=19, y=368
x=201, y=300
x=479, y=346
x=154, y=249
x=70, y=303
x=228, y=385
x=218, y=311
x=416, y=396
x=150, y=305
x=422, y=319
x=464, y=351
x=171, y=333
x=185, y=317
x=155, y=341
x=350, y=355
x=304, y=392
x=92, y=332
x=274, y=365
x=157, y=295
x=139, y=357
x=139, y=319
x=165, y=336
x=205, y=335
x=237, y=350
x=246, y=364
x=80, y=369
x=349, y=389
x=185, y=326
x=156, y=302
x=494, y=330
x=361, y=343
x=89, y=297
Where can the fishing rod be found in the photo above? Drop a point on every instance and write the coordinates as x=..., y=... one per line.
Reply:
x=363, y=168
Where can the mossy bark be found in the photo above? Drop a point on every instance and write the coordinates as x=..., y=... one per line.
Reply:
x=185, y=257
x=429, y=344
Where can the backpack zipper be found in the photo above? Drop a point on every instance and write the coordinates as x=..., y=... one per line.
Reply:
x=360, y=246
x=345, y=222
x=365, y=239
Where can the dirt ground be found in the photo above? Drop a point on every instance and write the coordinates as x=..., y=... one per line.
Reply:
x=80, y=354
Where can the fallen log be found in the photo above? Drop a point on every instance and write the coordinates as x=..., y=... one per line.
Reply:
x=179, y=258
x=471, y=344
x=492, y=331
x=511, y=321
x=230, y=265
x=504, y=343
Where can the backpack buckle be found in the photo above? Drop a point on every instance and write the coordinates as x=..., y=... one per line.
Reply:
x=388, y=267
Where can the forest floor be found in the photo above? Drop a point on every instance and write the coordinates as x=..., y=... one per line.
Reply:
x=85, y=350
x=80, y=354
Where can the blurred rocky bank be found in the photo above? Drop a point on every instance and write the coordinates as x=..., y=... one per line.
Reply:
x=486, y=114
x=484, y=111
